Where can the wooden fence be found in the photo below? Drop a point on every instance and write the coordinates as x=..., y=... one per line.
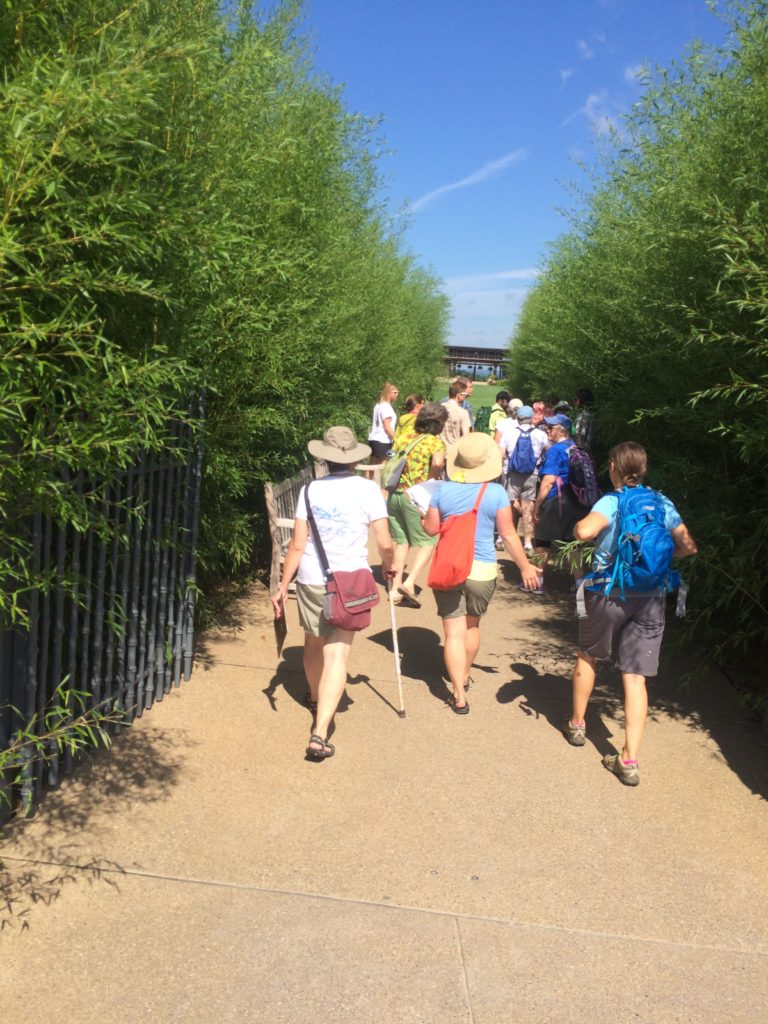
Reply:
x=117, y=620
x=281, y=507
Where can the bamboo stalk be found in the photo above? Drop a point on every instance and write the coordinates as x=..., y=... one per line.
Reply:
x=146, y=556
x=164, y=555
x=172, y=610
x=125, y=574
x=59, y=608
x=28, y=703
x=137, y=498
x=6, y=678
x=185, y=513
x=191, y=575
x=74, y=615
x=98, y=615
x=43, y=681
x=112, y=599
x=154, y=595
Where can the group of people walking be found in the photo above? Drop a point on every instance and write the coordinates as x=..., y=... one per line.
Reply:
x=468, y=494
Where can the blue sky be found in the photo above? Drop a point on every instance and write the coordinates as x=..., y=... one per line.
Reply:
x=487, y=108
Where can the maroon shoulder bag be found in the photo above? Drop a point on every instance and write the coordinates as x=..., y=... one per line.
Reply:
x=349, y=595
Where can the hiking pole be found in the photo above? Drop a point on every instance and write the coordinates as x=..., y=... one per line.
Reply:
x=395, y=646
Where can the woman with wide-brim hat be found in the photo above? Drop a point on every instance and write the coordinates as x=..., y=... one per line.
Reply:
x=344, y=506
x=471, y=462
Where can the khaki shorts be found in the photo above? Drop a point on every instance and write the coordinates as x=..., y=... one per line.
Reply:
x=405, y=523
x=472, y=597
x=309, y=598
x=521, y=486
x=637, y=623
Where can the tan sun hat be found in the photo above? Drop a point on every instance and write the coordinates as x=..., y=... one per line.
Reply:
x=339, y=445
x=474, y=459
x=515, y=403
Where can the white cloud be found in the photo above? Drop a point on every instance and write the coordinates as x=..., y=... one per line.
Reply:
x=485, y=307
x=565, y=74
x=473, y=282
x=585, y=49
x=635, y=73
x=484, y=173
x=596, y=111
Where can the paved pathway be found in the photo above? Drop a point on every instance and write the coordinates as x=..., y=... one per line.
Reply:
x=438, y=869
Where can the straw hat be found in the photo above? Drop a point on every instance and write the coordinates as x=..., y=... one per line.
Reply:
x=474, y=459
x=339, y=445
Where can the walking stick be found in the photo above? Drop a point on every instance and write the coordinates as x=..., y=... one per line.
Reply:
x=395, y=647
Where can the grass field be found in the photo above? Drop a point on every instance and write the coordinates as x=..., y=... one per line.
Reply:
x=484, y=394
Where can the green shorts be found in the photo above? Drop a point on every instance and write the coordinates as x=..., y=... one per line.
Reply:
x=309, y=598
x=471, y=598
x=405, y=522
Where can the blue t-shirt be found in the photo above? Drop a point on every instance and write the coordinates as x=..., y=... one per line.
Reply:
x=452, y=499
x=607, y=540
x=557, y=463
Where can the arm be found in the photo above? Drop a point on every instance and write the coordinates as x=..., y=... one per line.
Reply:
x=383, y=540
x=508, y=533
x=436, y=464
x=545, y=486
x=290, y=565
x=589, y=527
x=685, y=545
x=431, y=521
x=389, y=429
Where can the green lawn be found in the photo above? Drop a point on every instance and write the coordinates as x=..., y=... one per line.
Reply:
x=484, y=394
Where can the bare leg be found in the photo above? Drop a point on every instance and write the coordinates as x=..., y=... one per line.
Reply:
x=635, y=711
x=313, y=662
x=398, y=564
x=420, y=559
x=472, y=643
x=527, y=506
x=583, y=684
x=456, y=655
x=516, y=514
x=333, y=678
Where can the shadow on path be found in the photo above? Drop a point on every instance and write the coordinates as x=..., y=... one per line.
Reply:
x=47, y=855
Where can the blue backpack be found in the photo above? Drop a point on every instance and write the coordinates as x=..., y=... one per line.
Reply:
x=523, y=458
x=644, y=548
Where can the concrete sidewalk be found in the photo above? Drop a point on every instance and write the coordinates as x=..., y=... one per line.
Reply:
x=438, y=869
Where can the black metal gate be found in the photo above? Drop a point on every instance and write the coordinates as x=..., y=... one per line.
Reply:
x=117, y=619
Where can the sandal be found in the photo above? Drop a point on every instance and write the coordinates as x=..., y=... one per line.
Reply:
x=311, y=704
x=462, y=709
x=313, y=754
x=408, y=599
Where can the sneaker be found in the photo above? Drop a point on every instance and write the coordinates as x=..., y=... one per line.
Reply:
x=629, y=774
x=575, y=734
x=536, y=590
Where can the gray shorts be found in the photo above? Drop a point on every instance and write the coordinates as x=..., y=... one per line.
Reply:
x=472, y=597
x=521, y=486
x=638, y=622
x=309, y=598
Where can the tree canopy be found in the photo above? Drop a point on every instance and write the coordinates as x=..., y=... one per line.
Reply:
x=657, y=297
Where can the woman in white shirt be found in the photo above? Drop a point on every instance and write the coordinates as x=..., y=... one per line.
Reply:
x=343, y=505
x=383, y=423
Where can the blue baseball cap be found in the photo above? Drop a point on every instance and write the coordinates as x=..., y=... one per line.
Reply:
x=525, y=412
x=559, y=420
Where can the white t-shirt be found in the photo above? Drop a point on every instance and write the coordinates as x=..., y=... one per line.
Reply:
x=382, y=411
x=509, y=431
x=343, y=507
